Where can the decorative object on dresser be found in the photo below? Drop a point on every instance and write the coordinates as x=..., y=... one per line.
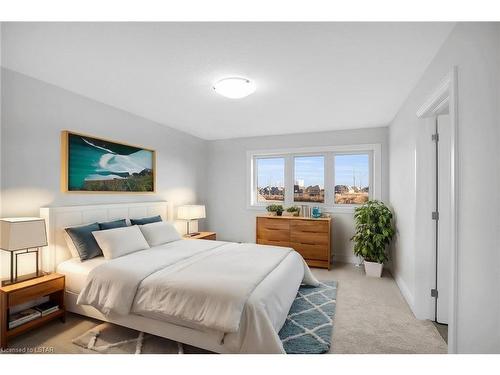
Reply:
x=26, y=292
x=309, y=237
x=22, y=236
x=203, y=236
x=305, y=210
x=275, y=209
x=292, y=211
x=316, y=212
x=191, y=212
x=96, y=165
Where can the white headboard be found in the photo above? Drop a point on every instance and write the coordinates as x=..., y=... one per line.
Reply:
x=58, y=218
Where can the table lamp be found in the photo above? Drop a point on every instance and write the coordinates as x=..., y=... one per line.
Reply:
x=191, y=212
x=20, y=236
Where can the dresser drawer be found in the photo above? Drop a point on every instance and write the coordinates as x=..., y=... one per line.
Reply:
x=273, y=234
x=319, y=226
x=273, y=243
x=267, y=223
x=36, y=291
x=309, y=251
x=310, y=238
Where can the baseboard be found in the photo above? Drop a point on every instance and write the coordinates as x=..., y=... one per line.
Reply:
x=343, y=258
x=405, y=291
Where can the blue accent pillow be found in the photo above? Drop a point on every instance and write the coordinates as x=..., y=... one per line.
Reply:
x=84, y=241
x=146, y=220
x=113, y=224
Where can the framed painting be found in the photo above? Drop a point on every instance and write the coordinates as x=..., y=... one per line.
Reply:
x=97, y=165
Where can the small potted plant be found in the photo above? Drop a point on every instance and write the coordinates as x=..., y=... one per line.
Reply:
x=275, y=209
x=374, y=232
x=292, y=211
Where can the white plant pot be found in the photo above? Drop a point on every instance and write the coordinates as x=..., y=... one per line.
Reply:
x=373, y=269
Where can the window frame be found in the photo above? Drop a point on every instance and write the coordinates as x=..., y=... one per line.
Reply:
x=328, y=152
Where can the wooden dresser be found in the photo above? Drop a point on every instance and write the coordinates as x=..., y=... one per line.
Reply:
x=310, y=237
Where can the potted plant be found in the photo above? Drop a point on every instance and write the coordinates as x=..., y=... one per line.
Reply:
x=292, y=211
x=374, y=231
x=275, y=209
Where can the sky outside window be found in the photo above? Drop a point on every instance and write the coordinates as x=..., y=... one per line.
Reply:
x=352, y=170
x=271, y=172
x=270, y=179
x=310, y=170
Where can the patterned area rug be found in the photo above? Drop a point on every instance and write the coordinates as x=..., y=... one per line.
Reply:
x=309, y=325
x=108, y=338
x=307, y=330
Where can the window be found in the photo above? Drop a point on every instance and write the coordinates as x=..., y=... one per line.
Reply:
x=270, y=174
x=309, y=185
x=352, y=178
x=336, y=178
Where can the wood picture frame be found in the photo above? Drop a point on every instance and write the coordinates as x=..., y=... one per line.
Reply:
x=140, y=178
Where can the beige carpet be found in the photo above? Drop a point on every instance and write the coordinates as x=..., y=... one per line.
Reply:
x=371, y=317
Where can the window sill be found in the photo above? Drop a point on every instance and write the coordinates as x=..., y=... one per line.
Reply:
x=348, y=209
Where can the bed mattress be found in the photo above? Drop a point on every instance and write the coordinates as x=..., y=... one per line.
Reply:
x=76, y=272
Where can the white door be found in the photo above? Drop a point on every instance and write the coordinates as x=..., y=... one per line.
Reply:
x=444, y=222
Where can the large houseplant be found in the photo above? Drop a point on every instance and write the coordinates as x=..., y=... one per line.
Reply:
x=374, y=232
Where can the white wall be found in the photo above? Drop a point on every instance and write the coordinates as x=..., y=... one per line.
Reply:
x=227, y=211
x=475, y=49
x=1, y=26
x=33, y=115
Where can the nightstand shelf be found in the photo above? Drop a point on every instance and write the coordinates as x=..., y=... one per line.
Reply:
x=51, y=286
x=34, y=323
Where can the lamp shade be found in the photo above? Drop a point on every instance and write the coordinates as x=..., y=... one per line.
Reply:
x=22, y=233
x=191, y=212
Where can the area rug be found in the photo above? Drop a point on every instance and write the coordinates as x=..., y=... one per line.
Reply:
x=108, y=338
x=309, y=326
x=307, y=330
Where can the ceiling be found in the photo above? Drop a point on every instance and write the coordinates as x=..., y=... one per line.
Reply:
x=309, y=76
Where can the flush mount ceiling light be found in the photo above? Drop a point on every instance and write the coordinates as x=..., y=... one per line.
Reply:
x=234, y=87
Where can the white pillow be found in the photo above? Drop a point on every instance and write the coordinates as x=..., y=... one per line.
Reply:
x=159, y=233
x=117, y=242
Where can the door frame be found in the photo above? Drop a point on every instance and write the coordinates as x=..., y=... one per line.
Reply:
x=446, y=95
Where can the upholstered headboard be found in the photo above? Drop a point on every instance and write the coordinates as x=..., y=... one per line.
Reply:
x=58, y=218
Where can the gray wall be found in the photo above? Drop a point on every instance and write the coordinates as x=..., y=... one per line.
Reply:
x=33, y=115
x=227, y=210
x=475, y=49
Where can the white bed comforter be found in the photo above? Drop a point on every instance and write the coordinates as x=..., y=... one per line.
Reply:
x=200, y=284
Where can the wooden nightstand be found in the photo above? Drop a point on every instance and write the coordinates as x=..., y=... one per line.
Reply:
x=51, y=285
x=203, y=236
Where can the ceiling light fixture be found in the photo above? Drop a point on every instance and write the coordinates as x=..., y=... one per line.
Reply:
x=234, y=87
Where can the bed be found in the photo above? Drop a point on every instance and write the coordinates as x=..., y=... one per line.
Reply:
x=265, y=296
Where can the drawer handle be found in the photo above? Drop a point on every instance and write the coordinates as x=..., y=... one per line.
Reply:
x=308, y=243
